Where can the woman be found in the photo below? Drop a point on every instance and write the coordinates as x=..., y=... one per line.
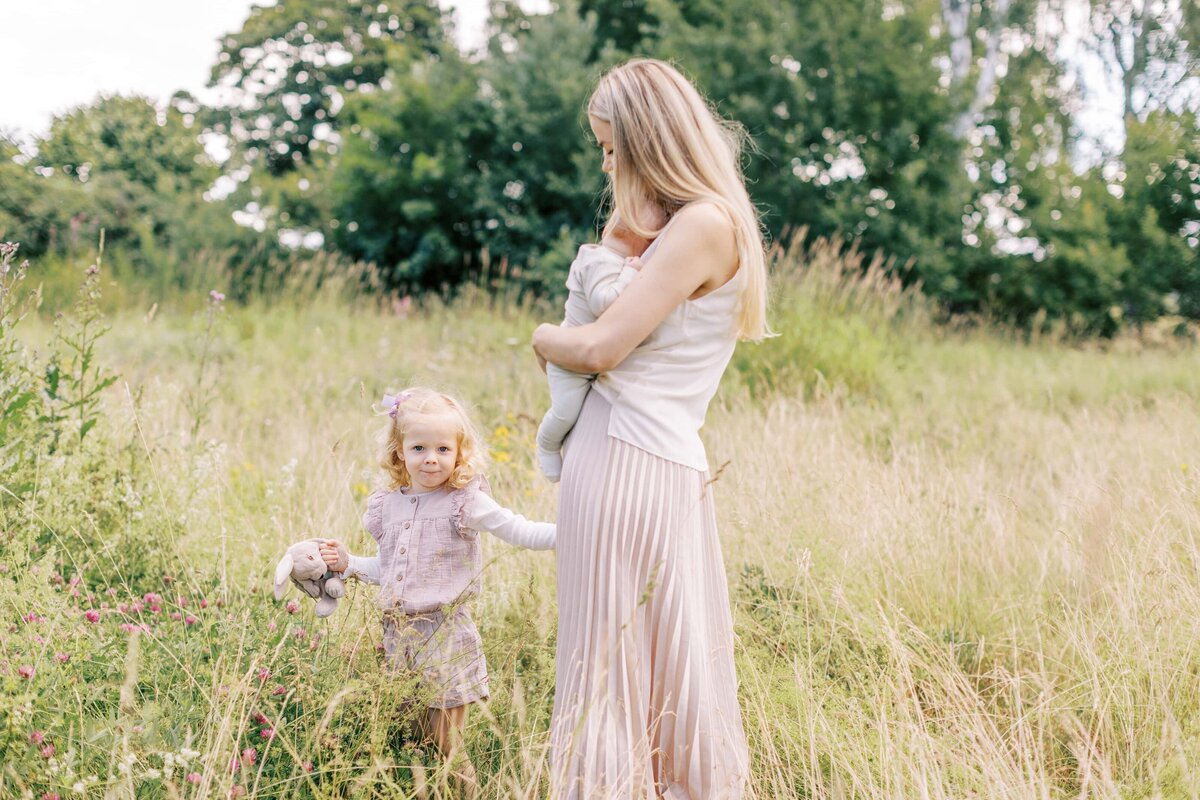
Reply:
x=645, y=703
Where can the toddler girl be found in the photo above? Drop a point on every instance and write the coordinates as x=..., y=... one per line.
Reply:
x=596, y=278
x=426, y=524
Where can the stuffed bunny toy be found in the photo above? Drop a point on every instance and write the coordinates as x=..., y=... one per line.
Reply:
x=303, y=565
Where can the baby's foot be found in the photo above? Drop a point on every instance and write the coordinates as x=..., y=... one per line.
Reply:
x=551, y=464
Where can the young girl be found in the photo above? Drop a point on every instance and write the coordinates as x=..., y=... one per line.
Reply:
x=426, y=524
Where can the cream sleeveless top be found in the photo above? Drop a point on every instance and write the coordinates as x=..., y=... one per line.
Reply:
x=660, y=392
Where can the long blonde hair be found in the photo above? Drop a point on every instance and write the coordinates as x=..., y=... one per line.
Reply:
x=670, y=148
x=418, y=402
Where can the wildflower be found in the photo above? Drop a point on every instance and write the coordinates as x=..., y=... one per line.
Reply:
x=291, y=607
x=216, y=298
x=267, y=733
x=249, y=755
x=189, y=620
x=92, y=615
x=25, y=671
x=175, y=615
x=279, y=689
x=47, y=751
x=37, y=737
x=50, y=796
x=203, y=603
x=193, y=777
x=237, y=791
x=263, y=674
x=260, y=718
x=271, y=626
x=8, y=248
x=307, y=766
x=300, y=633
x=32, y=617
x=62, y=657
x=94, y=269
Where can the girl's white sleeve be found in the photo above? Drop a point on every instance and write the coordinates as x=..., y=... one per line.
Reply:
x=365, y=568
x=485, y=514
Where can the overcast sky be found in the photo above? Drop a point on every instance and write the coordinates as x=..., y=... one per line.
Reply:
x=58, y=54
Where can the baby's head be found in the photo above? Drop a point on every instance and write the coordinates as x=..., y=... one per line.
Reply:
x=429, y=441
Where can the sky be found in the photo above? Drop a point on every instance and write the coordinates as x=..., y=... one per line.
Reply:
x=58, y=54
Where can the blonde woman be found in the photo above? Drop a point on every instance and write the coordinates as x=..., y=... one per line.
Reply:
x=645, y=702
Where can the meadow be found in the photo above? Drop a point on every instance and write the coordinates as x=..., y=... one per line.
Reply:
x=964, y=561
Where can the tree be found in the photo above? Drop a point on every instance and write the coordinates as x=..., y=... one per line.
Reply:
x=157, y=149
x=1150, y=48
x=287, y=74
x=459, y=170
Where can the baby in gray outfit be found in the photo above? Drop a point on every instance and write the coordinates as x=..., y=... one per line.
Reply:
x=598, y=275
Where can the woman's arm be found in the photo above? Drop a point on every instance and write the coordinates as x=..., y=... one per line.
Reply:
x=700, y=251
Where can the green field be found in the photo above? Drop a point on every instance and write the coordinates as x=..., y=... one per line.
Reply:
x=963, y=563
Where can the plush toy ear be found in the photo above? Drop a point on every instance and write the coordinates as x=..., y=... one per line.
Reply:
x=283, y=571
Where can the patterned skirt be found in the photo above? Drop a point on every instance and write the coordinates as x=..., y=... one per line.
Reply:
x=443, y=650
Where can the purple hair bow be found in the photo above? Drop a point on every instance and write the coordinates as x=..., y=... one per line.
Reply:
x=392, y=402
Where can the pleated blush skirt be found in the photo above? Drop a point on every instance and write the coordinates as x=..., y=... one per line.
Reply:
x=645, y=704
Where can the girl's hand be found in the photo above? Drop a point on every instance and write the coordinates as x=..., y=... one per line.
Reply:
x=337, y=557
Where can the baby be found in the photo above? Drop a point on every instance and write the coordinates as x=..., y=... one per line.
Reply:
x=597, y=277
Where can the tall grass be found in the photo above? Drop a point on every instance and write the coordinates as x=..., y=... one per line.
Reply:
x=961, y=565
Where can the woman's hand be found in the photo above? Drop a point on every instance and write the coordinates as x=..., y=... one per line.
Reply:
x=337, y=557
x=538, y=339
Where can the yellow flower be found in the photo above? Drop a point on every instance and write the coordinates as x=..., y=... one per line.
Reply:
x=501, y=457
x=501, y=432
x=359, y=490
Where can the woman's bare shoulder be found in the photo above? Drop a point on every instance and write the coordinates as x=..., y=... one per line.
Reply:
x=710, y=234
x=704, y=221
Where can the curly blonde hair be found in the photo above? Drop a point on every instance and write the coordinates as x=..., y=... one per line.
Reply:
x=417, y=402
